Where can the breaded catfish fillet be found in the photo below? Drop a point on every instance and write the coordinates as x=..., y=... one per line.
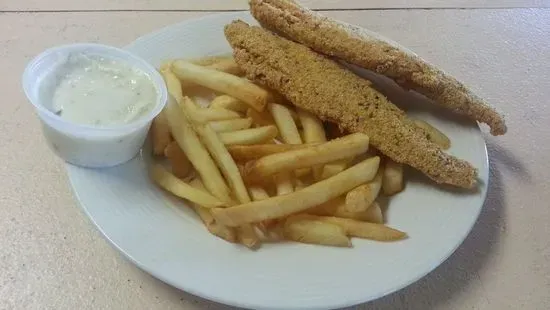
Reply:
x=319, y=85
x=354, y=45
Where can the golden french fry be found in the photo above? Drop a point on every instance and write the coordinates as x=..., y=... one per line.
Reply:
x=370, y=153
x=283, y=183
x=313, y=127
x=214, y=114
x=231, y=124
x=160, y=133
x=362, y=197
x=373, y=214
x=306, y=230
x=248, y=237
x=188, y=141
x=286, y=119
x=337, y=208
x=313, y=195
x=313, y=132
x=252, y=152
x=219, y=63
x=260, y=118
x=228, y=66
x=296, y=119
x=171, y=183
x=335, y=167
x=299, y=184
x=307, y=157
x=392, y=179
x=173, y=84
x=249, y=136
x=230, y=103
x=222, y=63
x=433, y=134
x=364, y=230
x=285, y=123
x=218, y=151
x=257, y=193
x=181, y=166
x=217, y=229
x=242, y=89
x=166, y=65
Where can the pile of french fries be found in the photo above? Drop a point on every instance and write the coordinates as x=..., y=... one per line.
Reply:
x=257, y=170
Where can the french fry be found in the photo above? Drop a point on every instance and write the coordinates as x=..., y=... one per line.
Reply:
x=173, y=84
x=295, y=118
x=285, y=123
x=313, y=195
x=181, y=166
x=188, y=141
x=286, y=119
x=337, y=208
x=335, y=167
x=219, y=63
x=166, y=65
x=230, y=103
x=231, y=124
x=249, y=136
x=248, y=237
x=359, y=158
x=392, y=179
x=228, y=66
x=242, y=89
x=364, y=230
x=160, y=133
x=307, y=157
x=171, y=183
x=225, y=64
x=313, y=127
x=313, y=132
x=257, y=193
x=214, y=114
x=218, y=151
x=246, y=153
x=373, y=214
x=217, y=229
x=362, y=197
x=260, y=118
x=299, y=184
x=308, y=230
x=283, y=183
x=433, y=134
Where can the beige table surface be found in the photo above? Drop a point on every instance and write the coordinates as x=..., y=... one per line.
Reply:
x=51, y=257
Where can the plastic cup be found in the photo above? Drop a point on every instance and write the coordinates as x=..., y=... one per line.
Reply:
x=86, y=145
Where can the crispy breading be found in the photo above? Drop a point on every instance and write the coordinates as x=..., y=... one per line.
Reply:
x=319, y=85
x=356, y=46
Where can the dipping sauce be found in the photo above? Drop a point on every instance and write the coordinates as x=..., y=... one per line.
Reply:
x=99, y=91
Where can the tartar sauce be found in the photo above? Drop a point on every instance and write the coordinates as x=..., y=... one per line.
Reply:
x=99, y=91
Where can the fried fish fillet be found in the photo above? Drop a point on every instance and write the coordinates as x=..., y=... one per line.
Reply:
x=320, y=85
x=352, y=44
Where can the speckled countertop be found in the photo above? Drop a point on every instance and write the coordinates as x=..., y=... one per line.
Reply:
x=51, y=257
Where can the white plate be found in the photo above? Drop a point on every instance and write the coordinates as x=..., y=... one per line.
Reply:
x=166, y=239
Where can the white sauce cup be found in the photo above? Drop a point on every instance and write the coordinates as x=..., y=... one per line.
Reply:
x=86, y=145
